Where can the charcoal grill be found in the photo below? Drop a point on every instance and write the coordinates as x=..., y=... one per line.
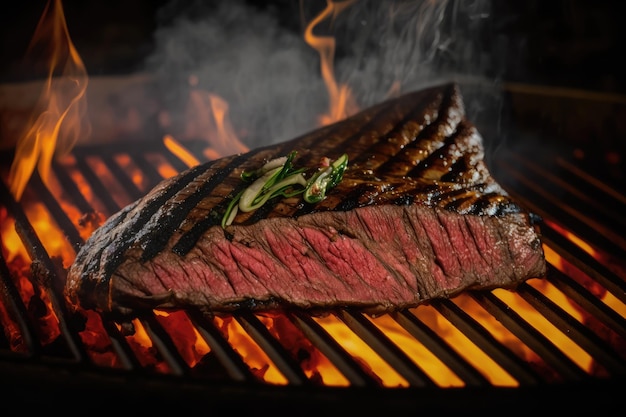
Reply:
x=582, y=302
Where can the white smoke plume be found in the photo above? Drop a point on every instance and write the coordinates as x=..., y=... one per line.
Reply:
x=255, y=57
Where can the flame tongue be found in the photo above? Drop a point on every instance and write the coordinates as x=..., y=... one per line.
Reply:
x=210, y=120
x=57, y=121
x=341, y=100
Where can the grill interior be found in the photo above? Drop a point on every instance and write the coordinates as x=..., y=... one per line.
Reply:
x=551, y=339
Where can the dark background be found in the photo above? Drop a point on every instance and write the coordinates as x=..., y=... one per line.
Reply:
x=579, y=44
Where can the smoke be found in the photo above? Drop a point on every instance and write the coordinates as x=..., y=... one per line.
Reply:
x=255, y=57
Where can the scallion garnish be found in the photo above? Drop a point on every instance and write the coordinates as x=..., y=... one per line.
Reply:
x=279, y=178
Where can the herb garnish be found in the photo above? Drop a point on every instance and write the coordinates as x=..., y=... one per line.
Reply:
x=279, y=178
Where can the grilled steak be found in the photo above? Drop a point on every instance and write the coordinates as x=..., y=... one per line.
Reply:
x=416, y=216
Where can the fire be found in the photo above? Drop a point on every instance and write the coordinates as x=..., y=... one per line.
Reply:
x=208, y=119
x=422, y=356
x=61, y=122
x=177, y=149
x=57, y=122
x=341, y=101
x=569, y=269
x=575, y=239
x=61, y=106
x=191, y=346
x=313, y=362
x=10, y=239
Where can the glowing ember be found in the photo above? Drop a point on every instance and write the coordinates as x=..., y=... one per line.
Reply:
x=315, y=365
x=62, y=104
x=97, y=341
x=135, y=174
x=177, y=149
x=163, y=166
x=255, y=357
x=190, y=345
x=575, y=239
x=35, y=298
x=141, y=343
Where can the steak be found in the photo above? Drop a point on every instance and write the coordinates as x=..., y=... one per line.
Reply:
x=416, y=216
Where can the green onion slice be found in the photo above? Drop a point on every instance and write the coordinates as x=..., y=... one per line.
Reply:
x=279, y=178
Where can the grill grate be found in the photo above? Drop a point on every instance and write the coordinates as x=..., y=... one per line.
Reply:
x=583, y=206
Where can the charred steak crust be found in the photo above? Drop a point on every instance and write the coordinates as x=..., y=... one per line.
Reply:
x=417, y=216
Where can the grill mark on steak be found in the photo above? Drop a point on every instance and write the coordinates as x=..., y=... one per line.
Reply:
x=352, y=200
x=395, y=232
x=159, y=236
x=375, y=161
x=390, y=141
x=440, y=161
x=386, y=132
x=214, y=216
x=377, y=125
x=129, y=228
x=493, y=204
x=444, y=121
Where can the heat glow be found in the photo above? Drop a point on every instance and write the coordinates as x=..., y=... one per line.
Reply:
x=55, y=129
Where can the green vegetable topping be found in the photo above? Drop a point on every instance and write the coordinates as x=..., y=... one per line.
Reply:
x=279, y=178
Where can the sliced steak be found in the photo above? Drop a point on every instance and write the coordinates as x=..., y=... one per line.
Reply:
x=417, y=216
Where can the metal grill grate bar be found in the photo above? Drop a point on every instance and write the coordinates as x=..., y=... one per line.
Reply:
x=231, y=360
x=588, y=301
x=165, y=346
x=386, y=348
x=482, y=338
x=470, y=375
x=350, y=368
x=235, y=367
x=552, y=204
x=585, y=263
x=277, y=353
x=47, y=273
x=538, y=342
x=573, y=329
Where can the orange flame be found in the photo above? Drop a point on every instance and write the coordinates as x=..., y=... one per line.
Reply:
x=341, y=100
x=39, y=145
x=208, y=119
x=572, y=237
x=62, y=103
x=179, y=150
